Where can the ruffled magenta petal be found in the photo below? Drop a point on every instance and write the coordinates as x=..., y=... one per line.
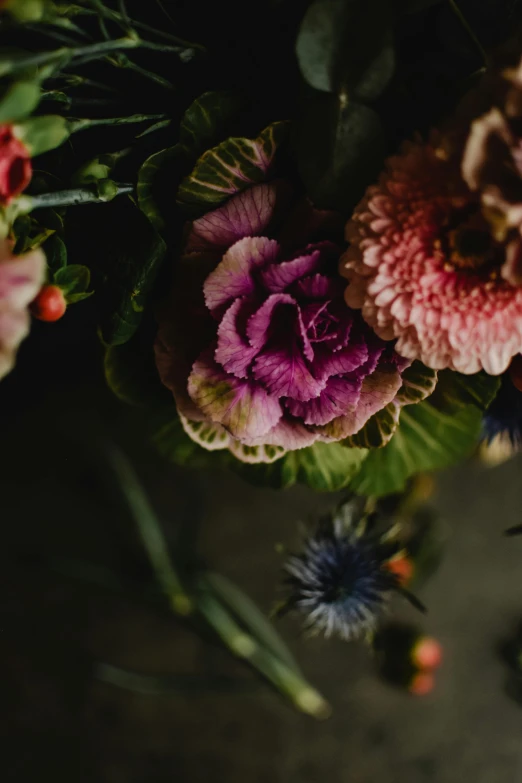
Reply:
x=234, y=353
x=242, y=407
x=233, y=276
x=339, y=397
x=246, y=214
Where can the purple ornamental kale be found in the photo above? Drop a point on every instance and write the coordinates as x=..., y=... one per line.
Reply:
x=285, y=363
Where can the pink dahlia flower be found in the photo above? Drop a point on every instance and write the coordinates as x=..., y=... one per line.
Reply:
x=280, y=361
x=426, y=268
x=20, y=280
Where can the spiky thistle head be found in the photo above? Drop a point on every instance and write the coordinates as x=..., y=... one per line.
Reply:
x=341, y=580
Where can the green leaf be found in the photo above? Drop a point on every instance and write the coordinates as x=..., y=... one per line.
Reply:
x=455, y=390
x=426, y=439
x=346, y=47
x=131, y=374
x=206, y=118
x=325, y=467
x=73, y=298
x=134, y=258
x=340, y=149
x=55, y=253
x=175, y=445
x=378, y=430
x=41, y=134
x=418, y=382
x=19, y=100
x=164, y=168
x=27, y=10
x=73, y=279
x=252, y=618
x=232, y=166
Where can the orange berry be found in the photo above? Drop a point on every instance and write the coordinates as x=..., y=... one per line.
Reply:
x=426, y=653
x=402, y=567
x=422, y=684
x=50, y=304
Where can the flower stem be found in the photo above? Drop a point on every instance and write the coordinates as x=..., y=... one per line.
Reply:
x=305, y=698
x=462, y=19
x=122, y=61
x=73, y=197
x=126, y=23
x=12, y=63
x=150, y=531
x=84, y=124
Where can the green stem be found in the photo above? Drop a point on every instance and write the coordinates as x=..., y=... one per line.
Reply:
x=153, y=684
x=72, y=197
x=124, y=21
x=65, y=54
x=45, y=30
x=460, y=16
x=122, y=61
x=305, y=698
x=84, y=124
x=150, y=532
x=73, y=80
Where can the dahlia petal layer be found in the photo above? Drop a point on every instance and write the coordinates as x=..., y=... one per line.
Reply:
x=413, y=280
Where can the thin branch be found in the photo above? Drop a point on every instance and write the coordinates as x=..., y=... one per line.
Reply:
x=464, y=22
x=76, y=125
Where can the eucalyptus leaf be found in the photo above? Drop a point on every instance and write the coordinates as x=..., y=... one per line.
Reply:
x=133, y=260
x=346, y=46
x=340, y=148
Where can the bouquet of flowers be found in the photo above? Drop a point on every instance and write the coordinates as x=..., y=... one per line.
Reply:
x=300, y=245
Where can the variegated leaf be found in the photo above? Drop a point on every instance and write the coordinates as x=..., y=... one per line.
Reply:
x=232, y=166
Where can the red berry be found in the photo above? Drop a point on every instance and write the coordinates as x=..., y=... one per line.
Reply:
x=427, y=653
x=402, y=567
x=515, y=371
x=422, y=684
x=50, y=304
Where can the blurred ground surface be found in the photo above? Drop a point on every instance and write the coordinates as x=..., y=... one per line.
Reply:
x=58, y=722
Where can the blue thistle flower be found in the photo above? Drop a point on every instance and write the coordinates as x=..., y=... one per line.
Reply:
x=503, y=419
x=341, y=581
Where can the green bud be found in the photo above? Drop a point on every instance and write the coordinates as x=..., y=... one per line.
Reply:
x=107, y=189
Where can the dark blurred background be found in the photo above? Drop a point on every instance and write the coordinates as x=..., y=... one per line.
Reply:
x=196, y=714
x=186, y=710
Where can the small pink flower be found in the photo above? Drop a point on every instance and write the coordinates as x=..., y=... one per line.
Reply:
x=20, y=280
x=426, y=268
